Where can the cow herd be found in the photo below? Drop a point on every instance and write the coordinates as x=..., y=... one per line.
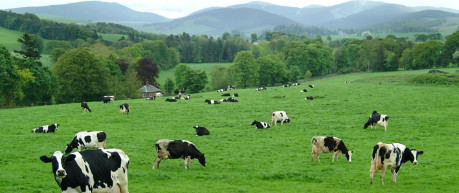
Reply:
x=95, y=168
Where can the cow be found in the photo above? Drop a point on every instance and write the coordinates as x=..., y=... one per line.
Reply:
x=235, y=95
x=200, y=131
x=279, y=116
x=261, y=88
x=391, y=156
x=309, y=98
x=108, y=99
x=171, y=100
x=87, y=140
x=304, y=90
x=101, y=170
x=286, y=85
x=124, y=108
x=231, y=87
x=229, y=100
x=311, y=86
x=85, y=107
x=322, y=144
x=295, y=84
x=377, y=119
x=151, y=98
x=211, y=101
x=226, y=94
x=188, y=97
x=175, y=149
x=261, y=125
x=221, y=90
x=46, y=128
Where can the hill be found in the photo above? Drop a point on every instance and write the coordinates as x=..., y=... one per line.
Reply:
x=241, y=158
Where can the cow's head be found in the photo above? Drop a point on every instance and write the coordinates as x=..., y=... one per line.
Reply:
x=349, y=156
x=287, y=120
x=415, y=154
x=202, y=160
x=57, y=159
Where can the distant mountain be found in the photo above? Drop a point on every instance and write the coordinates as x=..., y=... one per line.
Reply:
x=94, y=11
x=217, y=21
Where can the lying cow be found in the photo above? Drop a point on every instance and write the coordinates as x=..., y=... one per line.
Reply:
x=46, y=128
x=309, y=98
x=86, y=140
x=171, y=100
x=377, y=119
x=175, y=149
x=329, y=144
x=124, y=108
x=108, y=99
x=261, y=125
x=279, y=116
x=200, y=131
x=261, y=88
x=101, y=170
x=391, y=156
x=211, y=101
x=311, y=86
x=304, y=90
x=85, y=107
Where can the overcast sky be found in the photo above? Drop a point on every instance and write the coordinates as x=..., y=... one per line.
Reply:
x=181, y=8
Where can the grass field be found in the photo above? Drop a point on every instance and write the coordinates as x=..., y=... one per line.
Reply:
x=241, y=158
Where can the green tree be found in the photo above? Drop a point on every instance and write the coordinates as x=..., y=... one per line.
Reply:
x=219, y=77
x=169, y=86
x=407, y=59
x=9, y=78
x=426, y=54
x=450, y=48
x=30, y=47
x=180, y=72
x=81, y=76
x=272, y=70
x=244, y=69
x=195, y=81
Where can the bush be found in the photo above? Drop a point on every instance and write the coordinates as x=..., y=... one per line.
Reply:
x=436, y=78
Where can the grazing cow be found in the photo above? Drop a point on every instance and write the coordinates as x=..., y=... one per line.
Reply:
x=46, y=128
x=86, y=140
x=377, y=119
x=304, y=90
x=261, y=88
x=235, y=95
x=391, y=156
x=279, y=116
x=101, y=170
x=329, y=144
x=200, y=131
x=309, y=98
x=226, y=94
x=286, y=85
x=171, y=100
x=261, y=125
x=211, y=101
x=175, y=149
x=311, y=86
x=85, y=107
x=124, y=108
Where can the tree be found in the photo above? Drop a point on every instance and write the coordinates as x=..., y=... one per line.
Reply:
x=426, y=54
x=244, y=69
x=147, y=71
x=450, y=48
x=272, y=70
x=195, y=81
x=9, y=78
x=81, y=76
x=219, y=77
x=169, y=86
x=180, y=72
x=30, y=47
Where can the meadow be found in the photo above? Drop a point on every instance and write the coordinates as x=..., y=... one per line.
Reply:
x=241, y=158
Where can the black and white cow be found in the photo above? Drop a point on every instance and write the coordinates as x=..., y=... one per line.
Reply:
x=200, y=131
x=175, y=149
x=286, y=85
x=221, y=90
x=279, y=116
x=151, y=98
x=261, y=88
x=304, y=90
x=171, y=100
x=232, y=100
x=124, y=108
x=377, y=119
x=322, y=144
x=108, y=99
x=295, y=84
x=85, y=107
x=101, y=170
x=46, y=128
x=235, y=95
x=87, y=140
x=391, y=156
x=261, y=125
x=188, y=97
x=309, y=98
x=211, y=101
x=311, y=86
x=226, y=94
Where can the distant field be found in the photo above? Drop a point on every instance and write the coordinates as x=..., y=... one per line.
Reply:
x=241, y=158
x=9, y=39
x=111, y=37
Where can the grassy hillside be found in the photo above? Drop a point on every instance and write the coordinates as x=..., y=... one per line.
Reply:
x=9, y=39
x=241, y=158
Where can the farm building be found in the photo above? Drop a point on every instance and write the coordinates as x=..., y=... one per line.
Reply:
x=149, y=91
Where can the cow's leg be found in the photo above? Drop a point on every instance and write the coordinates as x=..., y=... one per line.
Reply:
x=318, y=157
x=383, y=172
x=394, y=176
x=373, y=170
x=157, y=162
x=312, y=155
x=333, y=157
x=185, y=159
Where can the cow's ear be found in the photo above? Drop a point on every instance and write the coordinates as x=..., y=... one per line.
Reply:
x=71, y=157
x=45, y=159
x=420, y=152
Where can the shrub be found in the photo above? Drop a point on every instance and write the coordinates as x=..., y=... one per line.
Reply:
x=436, y=78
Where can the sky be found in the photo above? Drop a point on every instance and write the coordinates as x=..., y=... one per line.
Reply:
x=180, y=8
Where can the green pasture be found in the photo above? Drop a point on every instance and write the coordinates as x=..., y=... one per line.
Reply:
x=241, y=158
